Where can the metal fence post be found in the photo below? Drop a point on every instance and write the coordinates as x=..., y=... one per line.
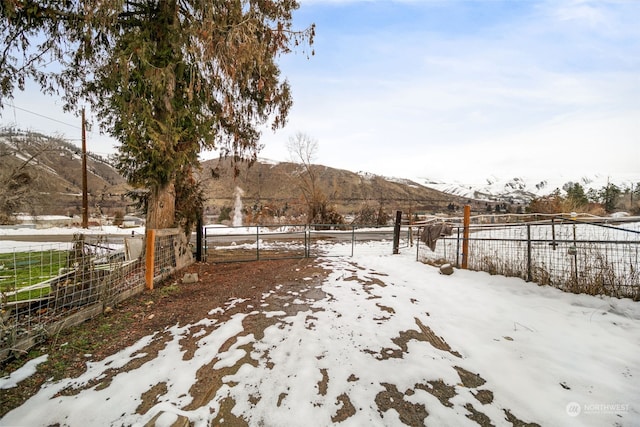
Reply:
x=204, y=244
x=306, y=241
x=353, y=238
x=396, y=233
x=458, y=248
x=465, y=240
x=529, y=273
x=573, y=250
x=199, y=239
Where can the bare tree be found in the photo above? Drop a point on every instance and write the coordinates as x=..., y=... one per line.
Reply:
x=303, y=150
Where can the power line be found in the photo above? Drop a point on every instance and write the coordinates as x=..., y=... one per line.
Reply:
x=43, y=116
x=91, y=132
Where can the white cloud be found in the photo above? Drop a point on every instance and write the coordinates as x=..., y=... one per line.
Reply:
x=581, y=11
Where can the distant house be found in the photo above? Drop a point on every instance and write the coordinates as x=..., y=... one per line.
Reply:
x=131, y=221
x=46, y=221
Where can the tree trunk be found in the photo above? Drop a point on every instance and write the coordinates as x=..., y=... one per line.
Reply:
x=161, y=208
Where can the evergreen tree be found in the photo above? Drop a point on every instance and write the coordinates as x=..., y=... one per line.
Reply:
x=635, y=192
x=609, y=197
x=167, y=79
x=576, y=194
x=593, y=196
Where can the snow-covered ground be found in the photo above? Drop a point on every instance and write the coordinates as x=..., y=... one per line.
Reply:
x=548, y=357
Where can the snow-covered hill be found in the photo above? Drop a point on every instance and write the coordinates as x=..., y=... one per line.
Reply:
x=53, y=167
x=523, y=189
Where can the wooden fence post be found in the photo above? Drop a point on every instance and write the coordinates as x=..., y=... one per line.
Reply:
x=465, y=236
x=150, y=257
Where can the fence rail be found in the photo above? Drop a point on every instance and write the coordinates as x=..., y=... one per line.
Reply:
x=45, y=288
x=573, y=256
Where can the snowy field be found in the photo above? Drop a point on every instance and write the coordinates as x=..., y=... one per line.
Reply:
x=548, y=357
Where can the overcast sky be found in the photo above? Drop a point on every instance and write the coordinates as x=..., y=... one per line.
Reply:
x=454, y=90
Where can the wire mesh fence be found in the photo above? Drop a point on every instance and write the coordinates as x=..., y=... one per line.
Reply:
x=45, y=288
x=252, y=243
x=571, y=255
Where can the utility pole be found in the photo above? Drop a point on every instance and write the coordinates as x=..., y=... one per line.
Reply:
x=85, y=198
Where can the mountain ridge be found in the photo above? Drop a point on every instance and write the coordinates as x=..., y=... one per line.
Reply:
x=52, y=168
x=55, y=169
x=277, y=185
x=57, y=164
x=523, y=189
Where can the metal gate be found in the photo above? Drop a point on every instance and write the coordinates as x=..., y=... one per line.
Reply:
x=269, y=242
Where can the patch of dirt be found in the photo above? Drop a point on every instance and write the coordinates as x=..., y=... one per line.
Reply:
x=516, y=422
x=411, y=414
x=478, y=416
x=484, y=396
x=150, y=397
x=346, y=410
x=439, y=389
x=434, y=339
x=469, y=379
x=324, y=382
x=424, y=333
